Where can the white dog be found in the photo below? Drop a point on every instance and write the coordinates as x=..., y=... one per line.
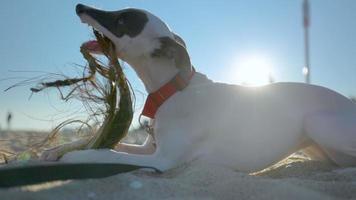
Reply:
x=244, y=128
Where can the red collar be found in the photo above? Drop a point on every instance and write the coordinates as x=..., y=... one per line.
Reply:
x=157, y=98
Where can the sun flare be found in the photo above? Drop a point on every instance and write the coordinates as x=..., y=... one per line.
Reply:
x=253, y=71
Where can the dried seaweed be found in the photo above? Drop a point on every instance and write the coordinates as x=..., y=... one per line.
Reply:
x=104, y=91
x=117, y=121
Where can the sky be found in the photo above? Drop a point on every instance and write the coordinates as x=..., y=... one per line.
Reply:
x=222, y=37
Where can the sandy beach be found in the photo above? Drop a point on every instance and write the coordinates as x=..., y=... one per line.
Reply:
x=294, y=178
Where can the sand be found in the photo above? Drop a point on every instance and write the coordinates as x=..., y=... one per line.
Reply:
x=294, y=178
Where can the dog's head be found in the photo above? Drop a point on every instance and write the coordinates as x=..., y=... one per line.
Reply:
x=136, y=34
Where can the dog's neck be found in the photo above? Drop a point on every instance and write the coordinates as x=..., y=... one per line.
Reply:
x=154, y=72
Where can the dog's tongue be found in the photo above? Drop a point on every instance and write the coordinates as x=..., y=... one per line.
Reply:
x=93, y=46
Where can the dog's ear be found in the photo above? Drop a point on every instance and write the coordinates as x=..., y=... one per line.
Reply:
x=178, y=39
x=172, y=49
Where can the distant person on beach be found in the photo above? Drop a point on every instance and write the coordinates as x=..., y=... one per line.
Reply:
x=9, y=118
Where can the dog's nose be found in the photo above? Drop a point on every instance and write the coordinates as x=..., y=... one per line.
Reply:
x=80, y=8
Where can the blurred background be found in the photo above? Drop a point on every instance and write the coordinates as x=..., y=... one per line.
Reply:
x=250, y=42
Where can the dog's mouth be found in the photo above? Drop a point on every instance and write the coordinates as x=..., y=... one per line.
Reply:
x=84, y=13
x=92, y=46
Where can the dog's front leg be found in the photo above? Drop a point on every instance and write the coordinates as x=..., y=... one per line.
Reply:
x=111, y=156
x=55, y=153
x=148, y=147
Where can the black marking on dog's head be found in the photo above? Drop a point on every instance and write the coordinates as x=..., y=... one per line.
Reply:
x=128, y=22
x=174, y=49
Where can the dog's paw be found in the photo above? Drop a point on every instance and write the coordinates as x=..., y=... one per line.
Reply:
x=57, y=152
x=52, y=154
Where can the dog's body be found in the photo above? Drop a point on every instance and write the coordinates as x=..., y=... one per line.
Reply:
x=244, y=128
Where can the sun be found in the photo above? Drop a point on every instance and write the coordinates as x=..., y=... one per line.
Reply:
x=253, y=70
